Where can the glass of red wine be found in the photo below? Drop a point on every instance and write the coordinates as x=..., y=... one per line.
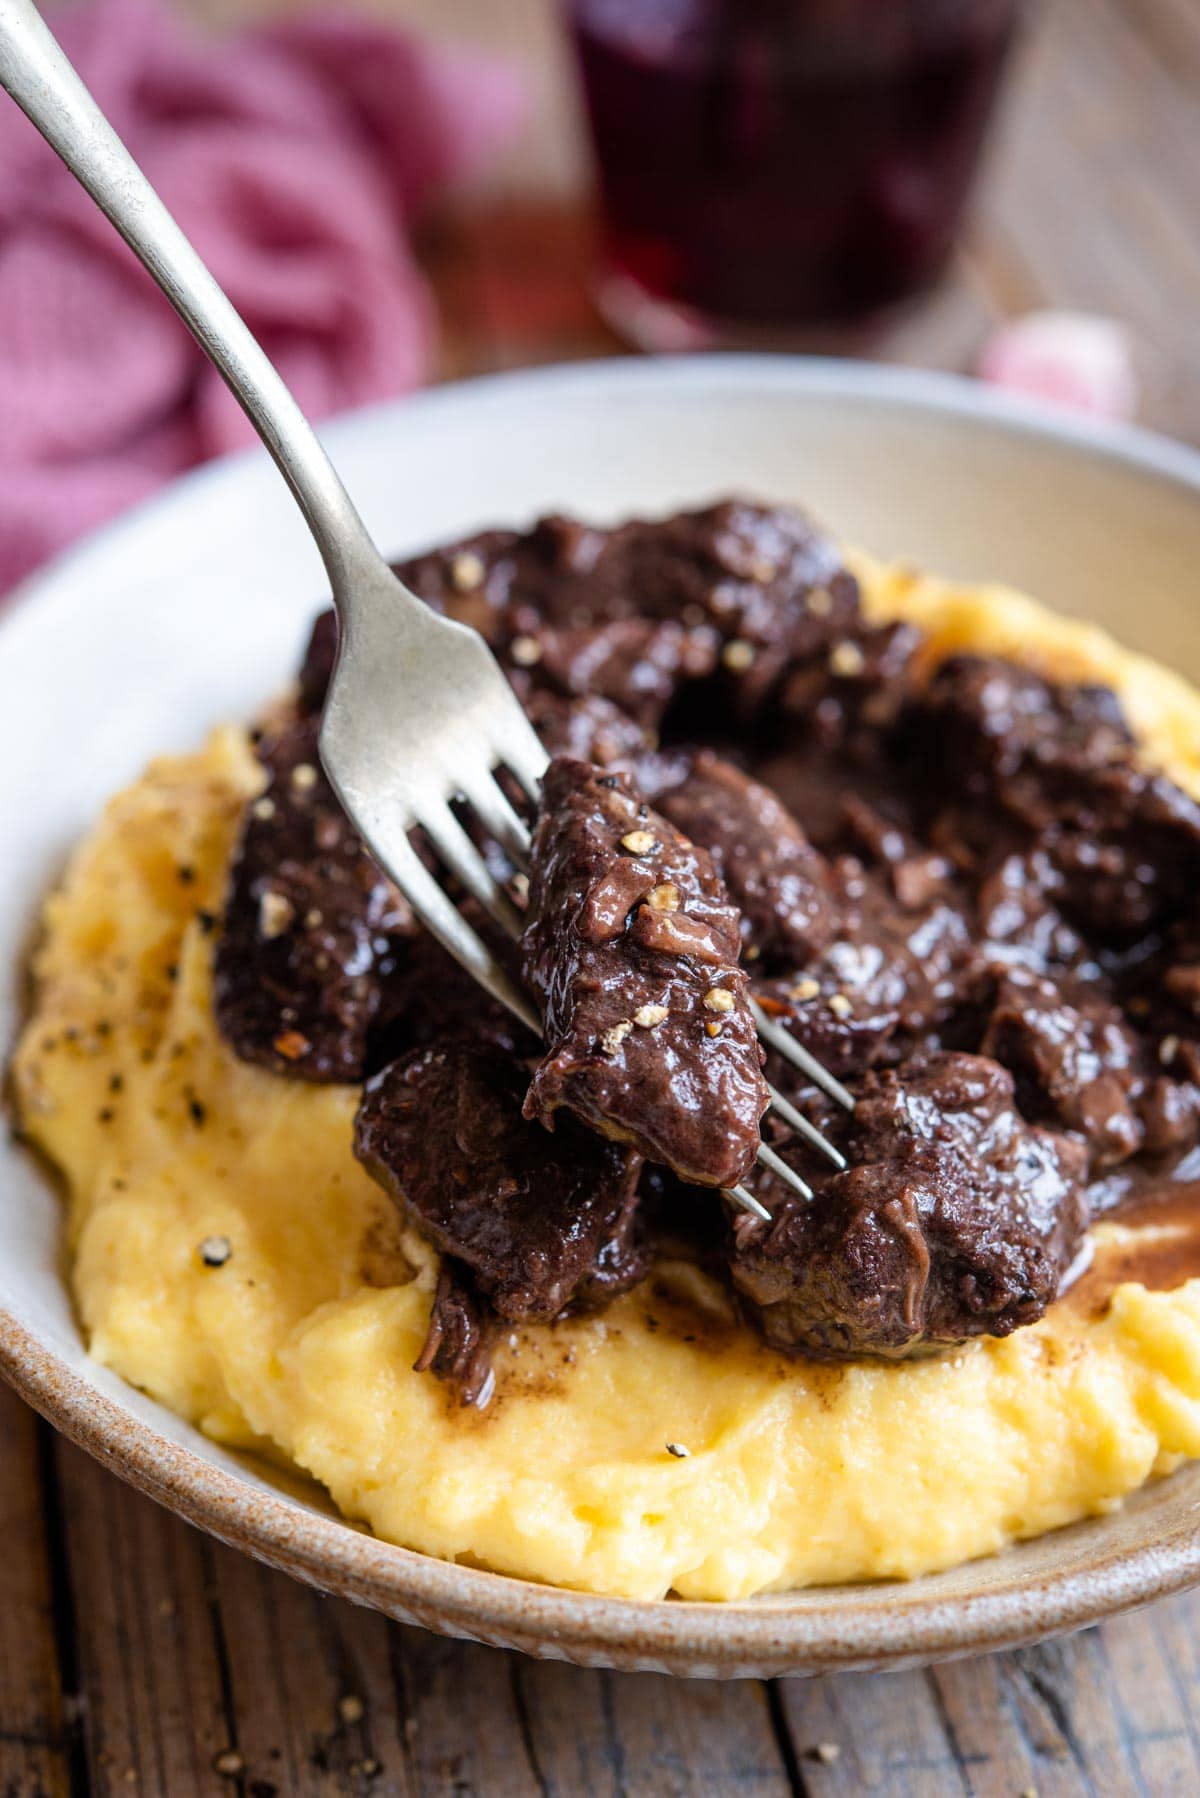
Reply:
x=765, y=166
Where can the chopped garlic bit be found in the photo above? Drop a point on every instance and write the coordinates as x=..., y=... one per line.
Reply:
x=820, y=602
x=664, y=897
x=613, y=1037
x=647, y=1016
x=839, y=1005
x=525, y=651
x=639, y=842
x=215, y=1251
x=737, y=655
x=467, y=571
x=275, y=913
x=804, y=989
x=304, y=776
x=718, y=998
x=846, y=659
x=678, y=1450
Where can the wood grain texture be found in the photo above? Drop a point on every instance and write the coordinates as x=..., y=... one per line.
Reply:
x=136, y=1656
x=196, y=1672
x=33, y=1736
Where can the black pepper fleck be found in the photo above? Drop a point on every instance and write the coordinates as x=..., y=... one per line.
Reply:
x=215, y=1251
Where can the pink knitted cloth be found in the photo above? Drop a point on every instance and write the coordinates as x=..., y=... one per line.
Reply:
x=294, y=157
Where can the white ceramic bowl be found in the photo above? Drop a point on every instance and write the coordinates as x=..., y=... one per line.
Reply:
x=193, y=609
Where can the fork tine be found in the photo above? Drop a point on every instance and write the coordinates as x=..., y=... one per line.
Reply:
x=445, y=922
x=779, y=1167
x=746, y=1199
x=792, y=1051
x=800, y=1124
x=519, y=747
x=499, y=818
x=462, y=858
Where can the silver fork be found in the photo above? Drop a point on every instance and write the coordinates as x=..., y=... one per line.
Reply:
x=419, y=712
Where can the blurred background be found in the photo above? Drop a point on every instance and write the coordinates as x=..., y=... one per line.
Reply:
x=413, y=190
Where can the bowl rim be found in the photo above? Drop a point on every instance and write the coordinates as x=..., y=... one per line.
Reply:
x=933, y=391
x=736, y=1638
x=747, y=1638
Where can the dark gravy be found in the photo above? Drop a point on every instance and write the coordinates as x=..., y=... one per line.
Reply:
x=1162, y=1253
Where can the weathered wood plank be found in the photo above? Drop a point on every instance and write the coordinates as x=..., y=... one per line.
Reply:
x=857, y=1733
x=33, y=1736
x=1153, y=1700
x=997, y=1752
x=1096, y=190
x=685, y=1740
x=1061, y=1696
x=511, y=280
x=311, y=1686
x=466, y=1735
x=1170, y=30
x=150, y=1676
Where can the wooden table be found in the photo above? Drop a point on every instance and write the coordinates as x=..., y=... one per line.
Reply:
x=137, y=1656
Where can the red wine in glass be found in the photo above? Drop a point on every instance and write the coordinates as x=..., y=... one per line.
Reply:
x=772, y=164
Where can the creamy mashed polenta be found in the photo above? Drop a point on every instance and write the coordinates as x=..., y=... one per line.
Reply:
x=231, y=1257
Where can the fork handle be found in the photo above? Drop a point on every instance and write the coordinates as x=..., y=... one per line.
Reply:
x=38, y=76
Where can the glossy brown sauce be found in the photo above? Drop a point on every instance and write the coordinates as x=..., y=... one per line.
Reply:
x=1161, y=1250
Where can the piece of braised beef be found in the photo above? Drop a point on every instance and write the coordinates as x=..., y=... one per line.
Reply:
x=316, y=665
x=591, y=729
x=638, y=612
x=851, y=687
x=632, y=951
x=895, y=976
x=1074, y=1060
x=773, y=874
x=542, y=1221
x=312, y=930
x=430, y=998
x=1124, y=842
x=955, y=1219
x=458, y=1342
x=633, y=615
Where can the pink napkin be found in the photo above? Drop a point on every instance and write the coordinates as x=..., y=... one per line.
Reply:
x=294, y=156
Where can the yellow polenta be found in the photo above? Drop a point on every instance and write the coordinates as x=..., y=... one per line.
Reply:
x=301, y=1344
